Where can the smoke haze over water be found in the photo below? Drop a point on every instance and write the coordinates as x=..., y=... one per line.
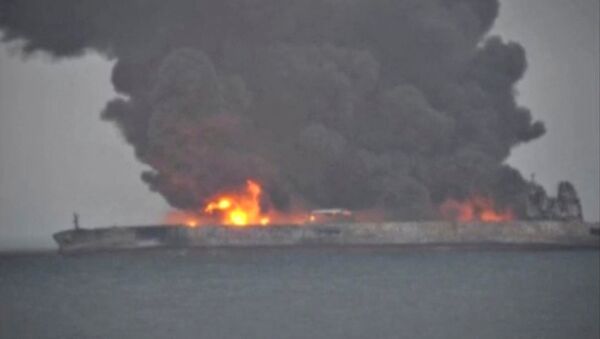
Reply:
x=395, y=105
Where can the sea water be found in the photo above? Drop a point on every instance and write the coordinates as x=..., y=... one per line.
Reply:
x=302, y=293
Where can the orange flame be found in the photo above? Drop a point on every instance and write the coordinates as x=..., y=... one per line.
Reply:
x=235, y=209
x=475, y=209
x=239, y=209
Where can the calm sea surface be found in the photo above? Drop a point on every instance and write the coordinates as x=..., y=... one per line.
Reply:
x=302, y=293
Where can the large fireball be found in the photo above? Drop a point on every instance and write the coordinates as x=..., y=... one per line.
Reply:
x=239, y=209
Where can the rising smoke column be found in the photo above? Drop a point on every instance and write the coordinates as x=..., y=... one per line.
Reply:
x=389, y=104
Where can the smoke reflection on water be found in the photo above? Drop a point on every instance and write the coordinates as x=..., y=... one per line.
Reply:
x=302, y=293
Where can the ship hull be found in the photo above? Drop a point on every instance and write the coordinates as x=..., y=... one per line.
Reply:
x=557, y=234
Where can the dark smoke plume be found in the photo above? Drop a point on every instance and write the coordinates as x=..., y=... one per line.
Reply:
x=391, y=104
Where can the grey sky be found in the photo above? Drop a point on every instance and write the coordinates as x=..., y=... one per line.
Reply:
x=56, y=156
x=561, y=87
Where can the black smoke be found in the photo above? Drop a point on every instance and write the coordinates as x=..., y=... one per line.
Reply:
x=390, y=104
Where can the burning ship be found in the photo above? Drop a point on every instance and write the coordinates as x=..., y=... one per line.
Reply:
x=231, y=220
x=360, y=104
x=440, y=233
